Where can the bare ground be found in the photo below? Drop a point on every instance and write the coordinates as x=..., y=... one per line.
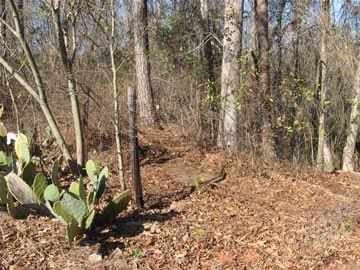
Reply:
x=262, y=216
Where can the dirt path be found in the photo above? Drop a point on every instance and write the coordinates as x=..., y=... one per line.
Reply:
x=263, y=216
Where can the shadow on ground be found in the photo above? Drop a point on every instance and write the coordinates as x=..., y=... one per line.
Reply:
x=107, y=235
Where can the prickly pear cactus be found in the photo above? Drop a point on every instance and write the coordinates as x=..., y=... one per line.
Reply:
x=51, y=193
x=116, y=206
x=55, y=171
x=29, y=172
x=3, y=190
x=91, y=170
x=39, y=186
x=22, y=148
x=74, y=206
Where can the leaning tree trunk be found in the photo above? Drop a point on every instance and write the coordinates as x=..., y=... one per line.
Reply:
x=144, y=88
x=353, y=125
x=67, y=61
x=324, y=161
x=230, y=74
x=38, y=95
x=262, y=26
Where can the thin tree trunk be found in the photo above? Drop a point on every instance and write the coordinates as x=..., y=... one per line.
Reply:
x=38, y=95
x=144, y=88
x=43, y=105
x=208, y=55
x=134, y=149
x=324, y=161
x=268, y=147
x=67, y=62
x=20, y=7
x=128, y=20
x=279, y=110
x=115, y=96
x=3, y=51
x=230, y=74
x=354, y=123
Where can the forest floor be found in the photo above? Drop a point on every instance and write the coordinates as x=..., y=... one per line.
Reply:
x=262, y=216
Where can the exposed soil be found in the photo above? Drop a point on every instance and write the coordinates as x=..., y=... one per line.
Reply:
x=262, y=216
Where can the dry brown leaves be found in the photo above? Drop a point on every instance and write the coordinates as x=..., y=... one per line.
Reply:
x=263, y=216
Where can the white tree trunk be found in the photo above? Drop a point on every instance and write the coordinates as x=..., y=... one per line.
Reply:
x=324, y=161
x=353, y=125
x=230, y=74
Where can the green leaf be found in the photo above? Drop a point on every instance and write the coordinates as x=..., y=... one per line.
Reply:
x=22, y=147
x=90, y=219
x=55, y=172
x=82, y=194
x=3, y=190
x=59, y=210
x=29, y=173
x=5, y=161
x=117, y=205
x=48, y=205
x=91, y=170
x=3, y=130
x=104, y=173
x=25, y=153
x=90, y=200
x=74, y=206
x=72, y=230
x=74, y=188
x=100, y=188
x=51, y=193
x=39, y=186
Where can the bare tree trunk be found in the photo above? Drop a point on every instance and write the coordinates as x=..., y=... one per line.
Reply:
x=38, y=95
x=279, y=111
x=115, y=96
x=208, y=55
x=144, y=88
x=324, y=161
x=3, y=51
x=261, y=11
x=134, y=149
x=230, y=74
x=128, y=20
x=207, y=59
x=354, y=123
x=20, y=7
x=67, y=61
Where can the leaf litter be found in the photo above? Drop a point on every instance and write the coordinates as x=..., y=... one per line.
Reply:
x=262, y=216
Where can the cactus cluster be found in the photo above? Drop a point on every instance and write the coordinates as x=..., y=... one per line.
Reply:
x=74, y=207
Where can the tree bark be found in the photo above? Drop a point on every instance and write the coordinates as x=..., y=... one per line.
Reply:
x=324, y=161
x=67, y=61
x=230, y=74
x=38, y=95
x=354, y=123
x=279, y=110
x=134, y=149
x=3, y=51
x=144, y=88
x=115, y=96
x=262, y=26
